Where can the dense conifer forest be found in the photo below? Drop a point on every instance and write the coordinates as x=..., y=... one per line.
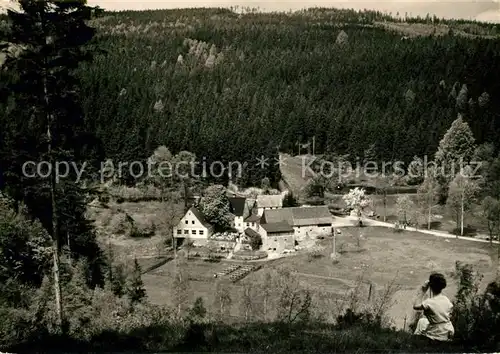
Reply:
x=233, y=87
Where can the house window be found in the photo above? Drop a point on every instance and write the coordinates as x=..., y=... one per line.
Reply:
x=200, y=232
x=179, y=232
x=192, y=222
x=253, y=224
x=248, y=224
x=186, y=232
x=187, y=222
x=193, y=232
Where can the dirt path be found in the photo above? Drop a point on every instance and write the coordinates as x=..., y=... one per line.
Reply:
x=349, y=284
x=351, y=221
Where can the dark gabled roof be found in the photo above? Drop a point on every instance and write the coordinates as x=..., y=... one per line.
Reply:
x=276, y=227
x=298, y=216
x=269, y=201
x=251, y=233
x=200, y=217
x=272, y=216
x=314, y=215
x=253, y=218
x=237, y=205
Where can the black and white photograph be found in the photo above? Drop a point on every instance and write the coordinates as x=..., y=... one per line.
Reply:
x=249, y=176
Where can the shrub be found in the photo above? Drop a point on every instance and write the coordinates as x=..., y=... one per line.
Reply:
x=249, y=255
x=135, y=288
x=119, y=224
x=104, y=198
x=316, y=254
x=198, y=311
x=16, y=326
x=352, y=319
x=476, y=316
x=255, y=242
x=141, y=230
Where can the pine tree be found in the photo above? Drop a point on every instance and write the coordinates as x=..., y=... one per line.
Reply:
x=455, y=149
x=118, y=281
x=135, y=288
x=342, y=38
x=290, y=201
x=46, y=120
x=462, y=98
x=457, y=143
x=77, y=290
x=197, y=312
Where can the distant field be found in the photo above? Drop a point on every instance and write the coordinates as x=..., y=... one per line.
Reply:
x=422, y=29
x=406, y=258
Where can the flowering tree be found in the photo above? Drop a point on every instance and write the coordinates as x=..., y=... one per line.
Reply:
x=357, y=200
x=405, y=207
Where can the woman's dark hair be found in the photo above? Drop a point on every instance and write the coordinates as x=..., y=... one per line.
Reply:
x=437, y=282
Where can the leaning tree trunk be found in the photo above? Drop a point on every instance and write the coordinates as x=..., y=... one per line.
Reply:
x=55, y=237
x=53, y=186
x=69, y=246
x=462, y=215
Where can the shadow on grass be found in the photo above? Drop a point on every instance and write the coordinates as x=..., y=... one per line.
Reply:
x=435, y=225
x=469, y=231
x=157, y=265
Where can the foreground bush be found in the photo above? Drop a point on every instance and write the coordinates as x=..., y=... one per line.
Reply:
x=104, y=320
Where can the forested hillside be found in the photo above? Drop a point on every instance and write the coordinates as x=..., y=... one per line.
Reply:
x=233, y=87
x=78, y=85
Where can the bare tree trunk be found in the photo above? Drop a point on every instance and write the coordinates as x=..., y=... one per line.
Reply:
x=385, y=205
x=429, y=215
x=55, y=237
x=53, y=186
x=264, y=307
x=490, y=232
x=69, y=246
x=186, y=197
x=334, y=245
x=462, y=215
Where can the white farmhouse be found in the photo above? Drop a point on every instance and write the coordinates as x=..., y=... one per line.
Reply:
x=193, y=226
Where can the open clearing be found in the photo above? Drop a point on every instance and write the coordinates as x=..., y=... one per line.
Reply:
x=407, y=258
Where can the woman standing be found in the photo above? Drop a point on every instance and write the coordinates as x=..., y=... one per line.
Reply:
x=435, y=324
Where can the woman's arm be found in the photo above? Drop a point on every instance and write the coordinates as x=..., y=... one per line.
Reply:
x=417, y=304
